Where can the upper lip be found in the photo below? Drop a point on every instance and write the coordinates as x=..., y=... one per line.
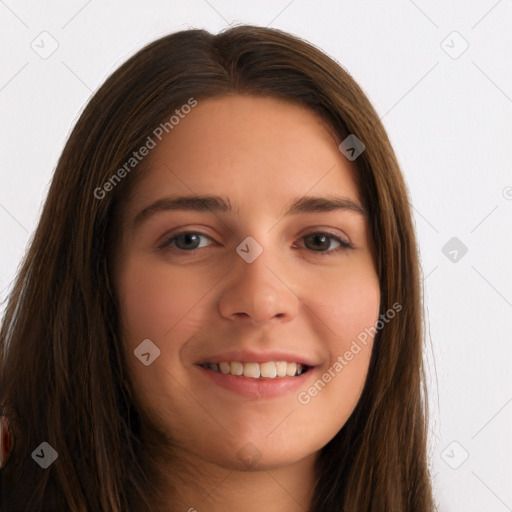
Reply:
x=258, y=357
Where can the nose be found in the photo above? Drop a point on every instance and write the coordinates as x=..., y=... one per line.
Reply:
x=258, y=293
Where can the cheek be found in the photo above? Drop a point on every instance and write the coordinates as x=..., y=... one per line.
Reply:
x=348, y=305
x=163, y=306
x=154, y=300
x=348, y=301
x=355, y=309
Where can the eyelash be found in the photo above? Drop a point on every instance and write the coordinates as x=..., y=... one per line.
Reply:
x=173, y=236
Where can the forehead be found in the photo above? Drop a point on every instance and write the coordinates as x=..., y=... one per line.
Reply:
x=259, y=151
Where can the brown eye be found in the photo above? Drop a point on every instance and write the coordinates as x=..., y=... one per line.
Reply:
x=322, y=242
x=186, y=241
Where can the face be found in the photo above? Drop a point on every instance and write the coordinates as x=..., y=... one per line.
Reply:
x=258, y=278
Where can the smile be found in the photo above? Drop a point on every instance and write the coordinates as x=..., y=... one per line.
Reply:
x=254, y=370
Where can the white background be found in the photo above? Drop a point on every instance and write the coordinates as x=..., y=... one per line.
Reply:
x=449, y=120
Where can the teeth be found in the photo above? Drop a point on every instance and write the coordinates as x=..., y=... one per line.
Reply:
x=267, y=370
x=281, y=368
x=225, y=368
x=252, y=370
x=291, y=369
x=236, y=368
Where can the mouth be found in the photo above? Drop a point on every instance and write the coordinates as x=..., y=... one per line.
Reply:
x=256, y=370
x=257, y=375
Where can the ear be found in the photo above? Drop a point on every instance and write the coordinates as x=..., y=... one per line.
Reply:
x=6, y=440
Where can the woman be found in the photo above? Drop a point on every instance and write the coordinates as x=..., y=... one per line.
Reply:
x=221, y=303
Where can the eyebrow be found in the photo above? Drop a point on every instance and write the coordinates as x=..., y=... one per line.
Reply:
x=217, y=204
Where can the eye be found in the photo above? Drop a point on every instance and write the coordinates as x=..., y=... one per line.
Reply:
x=185, y=241
x=321, y=242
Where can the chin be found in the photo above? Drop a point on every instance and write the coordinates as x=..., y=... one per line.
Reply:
x=259, y=454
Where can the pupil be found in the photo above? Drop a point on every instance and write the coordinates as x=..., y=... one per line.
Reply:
x=323, y=241
x=188, y=238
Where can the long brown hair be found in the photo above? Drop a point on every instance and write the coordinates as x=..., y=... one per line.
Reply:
x=62, y=368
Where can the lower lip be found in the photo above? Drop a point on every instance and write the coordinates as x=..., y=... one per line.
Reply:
x=258, y=388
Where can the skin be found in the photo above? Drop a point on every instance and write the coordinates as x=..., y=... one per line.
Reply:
x=261, y=153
